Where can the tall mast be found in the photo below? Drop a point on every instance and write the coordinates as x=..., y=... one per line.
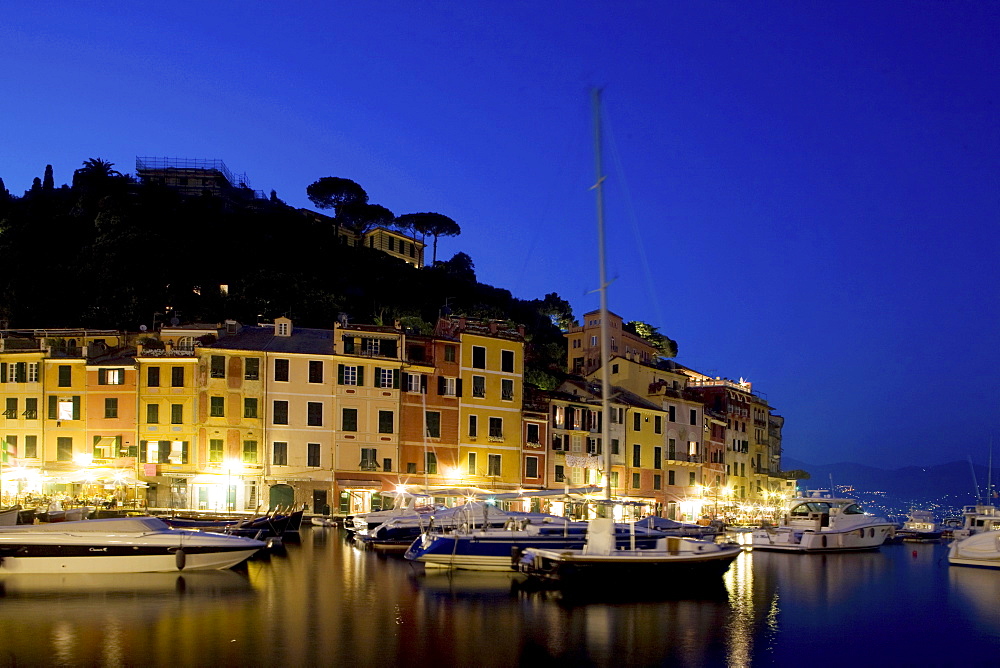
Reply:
x=605, y=341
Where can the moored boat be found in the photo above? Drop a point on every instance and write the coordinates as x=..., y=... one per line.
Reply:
x=118, y=545
x=981, y=550
x=497, y=549
x=977, y=519
x=920, y=526
x=599, y=564
x=821, y=523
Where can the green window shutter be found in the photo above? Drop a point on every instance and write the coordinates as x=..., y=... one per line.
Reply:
x=3, y=372
x=458, y=387
x=164, y=452
x=441, y=387
x=184, y=452
x=378, y=377
x=97, y=439
x=388, y=347
x=423, y=384
x=142, y=452
x=361, y=376
x=395, y=379
x=340, y=374
x=102, y=376
x=52, y=407
x=76, y=407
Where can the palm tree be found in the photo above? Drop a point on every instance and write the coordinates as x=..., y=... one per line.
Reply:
x=95, y=173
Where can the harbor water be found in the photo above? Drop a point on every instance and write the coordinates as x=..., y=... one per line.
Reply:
x=328, y=603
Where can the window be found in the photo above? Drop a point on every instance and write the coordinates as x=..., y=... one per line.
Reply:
x=283, y=329
x=177, y=376
x=315, y=371
x=672, y=413
x=472, y=464
x=447, y=387
x=493, y=465
x=215, y=450
x=64, y=449
x=387, y=464
x=251, y=368
x=637, y=421
x=153, y=376
x=557, y=442
x=152, y=413
x=416, y=382
x=111, y=376
x=449, y=353
x=371, y=347
x=312, y=454
x=532, y=436
x=560, y=473
x=473, y=425
x=385, y=422
x=279, y=412
x=478, y=357
x=10, y=447
x=531, y=467
x=636, y=454
x=614, y=446
x=349, y=419
x=314, y=414
x=614, y=479
x=369, y=459
x=31, y=446
x=281, y=370
x=176, y=413
x=411, y=467
x=576, y=474
x=433, y=419
x=386, y=377
x=479, y=386
x=614, y=368
x=507, y=389
x=657, y=457
x=110, y=407
x=279, y=453
x=64, y=408
x=217, y=407
x=691, y=478
x=657, y=481
x=11, y=408
x=694, y=416
x=32, y=372
x=658, y=424
x=65, y=377
x=431, y=463
x=249, y=452
x=496, y=428
x=507, y=361
x=218, y=366
x=636, y=481
x=249, y=407
x=350, y=375
x=671, y=449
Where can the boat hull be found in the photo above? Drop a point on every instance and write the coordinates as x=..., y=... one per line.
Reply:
x=869, y=537
x=641, y=569
x=980, y=550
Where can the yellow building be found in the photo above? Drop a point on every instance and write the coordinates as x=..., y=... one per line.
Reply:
x=368, y=361
x=491, y=355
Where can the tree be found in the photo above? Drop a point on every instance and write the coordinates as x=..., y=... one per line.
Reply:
x=48, y=183
x=333, y=192
x=360, y=217
x=433, y=224
x=459, y=266
x=558, y=310
x=663, y=344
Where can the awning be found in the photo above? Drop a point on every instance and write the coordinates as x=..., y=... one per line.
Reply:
x=360, y=484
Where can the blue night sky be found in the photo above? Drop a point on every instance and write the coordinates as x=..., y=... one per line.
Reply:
x=803, y=194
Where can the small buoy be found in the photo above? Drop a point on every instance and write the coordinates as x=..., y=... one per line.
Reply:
x=180, y=559
x=914, y=553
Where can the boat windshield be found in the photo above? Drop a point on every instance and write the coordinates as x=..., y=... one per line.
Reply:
x=852, y=509
x=811, y=507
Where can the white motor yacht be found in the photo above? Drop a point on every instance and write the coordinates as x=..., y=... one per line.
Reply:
x=820, y=523
x=118, y=545
x=981, y=549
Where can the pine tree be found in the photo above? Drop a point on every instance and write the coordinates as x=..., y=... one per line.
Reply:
x=48, y=184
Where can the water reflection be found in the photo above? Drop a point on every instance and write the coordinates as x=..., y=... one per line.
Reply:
x=325, y=603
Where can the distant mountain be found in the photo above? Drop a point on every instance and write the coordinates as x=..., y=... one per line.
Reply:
x=943, y=485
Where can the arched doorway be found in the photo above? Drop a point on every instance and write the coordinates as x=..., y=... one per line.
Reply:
x=281, y=495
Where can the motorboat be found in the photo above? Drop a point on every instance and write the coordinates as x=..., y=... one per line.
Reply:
x=118, y=545
x=600, y=564
x=820, y=522
x=498, y=549
x=398, y=532
x=977, y=519
x=982, y=549
x=266, y=526
x=323, y=521
x=8, y=517
x=920, y=526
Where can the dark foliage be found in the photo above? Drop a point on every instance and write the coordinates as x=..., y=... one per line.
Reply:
x=113, y=253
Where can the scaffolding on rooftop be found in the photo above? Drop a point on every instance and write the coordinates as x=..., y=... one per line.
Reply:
x=156, y=164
